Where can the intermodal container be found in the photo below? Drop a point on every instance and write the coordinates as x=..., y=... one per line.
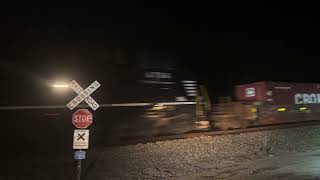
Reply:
x=279, y=93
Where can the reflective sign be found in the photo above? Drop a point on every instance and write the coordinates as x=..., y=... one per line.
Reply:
x=81, y=139
x=79, y=154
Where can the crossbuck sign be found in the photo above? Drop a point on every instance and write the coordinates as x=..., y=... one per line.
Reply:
x=83, y=95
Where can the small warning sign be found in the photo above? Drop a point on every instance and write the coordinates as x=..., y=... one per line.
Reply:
x=81, y=139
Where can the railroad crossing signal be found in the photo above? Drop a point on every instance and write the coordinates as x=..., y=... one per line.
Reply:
x=82, y=118
x=83, y=95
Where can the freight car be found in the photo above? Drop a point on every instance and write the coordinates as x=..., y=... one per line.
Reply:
x=268, y=102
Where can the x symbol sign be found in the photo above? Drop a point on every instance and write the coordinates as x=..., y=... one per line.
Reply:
x=81, y=136
x=83, y=95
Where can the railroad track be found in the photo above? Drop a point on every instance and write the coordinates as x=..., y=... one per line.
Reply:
x=217, y=132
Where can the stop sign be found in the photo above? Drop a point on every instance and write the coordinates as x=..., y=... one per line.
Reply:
x=82, y=118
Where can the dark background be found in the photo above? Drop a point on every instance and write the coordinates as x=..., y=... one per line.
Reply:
x=224, y=43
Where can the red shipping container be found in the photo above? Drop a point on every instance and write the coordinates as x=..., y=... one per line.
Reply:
x=279, y=93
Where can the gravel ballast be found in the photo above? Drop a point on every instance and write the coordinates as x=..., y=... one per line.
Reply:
x=175, y=158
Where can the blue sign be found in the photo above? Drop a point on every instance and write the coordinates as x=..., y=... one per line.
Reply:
x=79, y=154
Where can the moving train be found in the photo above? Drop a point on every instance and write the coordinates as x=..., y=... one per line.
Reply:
x=154, y=98
x=267, y=102
x=138, y=98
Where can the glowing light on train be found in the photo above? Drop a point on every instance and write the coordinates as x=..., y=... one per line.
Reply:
x=303, y=108
x=281, y=109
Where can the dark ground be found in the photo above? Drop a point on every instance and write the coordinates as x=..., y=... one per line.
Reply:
x=37, y=145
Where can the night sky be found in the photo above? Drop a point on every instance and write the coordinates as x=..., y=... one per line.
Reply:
x=224, y=45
